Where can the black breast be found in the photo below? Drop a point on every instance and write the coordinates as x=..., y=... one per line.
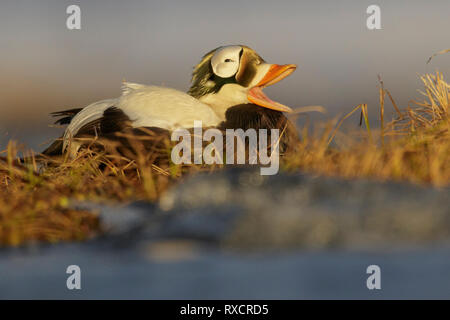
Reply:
x=246, y=116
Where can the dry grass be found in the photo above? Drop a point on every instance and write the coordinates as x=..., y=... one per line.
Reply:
x=414, y=147
x=34, y=197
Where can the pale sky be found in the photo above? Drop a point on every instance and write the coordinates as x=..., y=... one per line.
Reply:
x=45, y=67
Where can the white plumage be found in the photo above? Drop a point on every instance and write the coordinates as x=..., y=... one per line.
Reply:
x=148, y=106
x=167, y=108
x=90, y=113
x=225, y=77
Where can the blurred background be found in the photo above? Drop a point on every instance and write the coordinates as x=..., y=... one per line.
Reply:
x=45, y=67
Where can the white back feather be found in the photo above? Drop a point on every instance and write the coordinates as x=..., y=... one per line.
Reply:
x=90, y=113
x=167, y=108
x=148, y=106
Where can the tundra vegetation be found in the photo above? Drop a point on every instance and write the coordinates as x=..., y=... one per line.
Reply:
x=36, y=193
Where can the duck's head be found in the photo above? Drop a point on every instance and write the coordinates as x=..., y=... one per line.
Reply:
x=233, y=75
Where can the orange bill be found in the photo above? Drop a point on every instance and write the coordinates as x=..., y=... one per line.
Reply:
x=275, y=74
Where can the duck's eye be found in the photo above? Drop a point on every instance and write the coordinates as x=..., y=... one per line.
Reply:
x=225, y=62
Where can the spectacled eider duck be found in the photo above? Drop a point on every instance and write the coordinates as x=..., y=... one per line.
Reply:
x=226, y=92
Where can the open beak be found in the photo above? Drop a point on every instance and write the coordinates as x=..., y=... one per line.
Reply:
x=275, y=74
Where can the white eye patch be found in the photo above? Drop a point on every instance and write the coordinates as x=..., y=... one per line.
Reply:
x=225, y=61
